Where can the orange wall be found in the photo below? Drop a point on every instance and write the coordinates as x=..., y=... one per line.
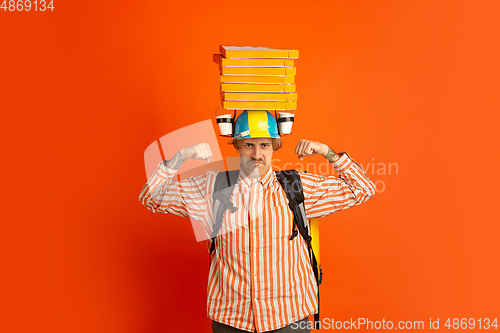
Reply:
x=86, y=88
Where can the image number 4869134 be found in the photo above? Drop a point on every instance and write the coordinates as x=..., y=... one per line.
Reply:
x=27, y=5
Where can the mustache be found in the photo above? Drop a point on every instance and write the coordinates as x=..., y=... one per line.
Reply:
x=259, y=160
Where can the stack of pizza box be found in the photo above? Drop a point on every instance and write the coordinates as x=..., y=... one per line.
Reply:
x=257, y=78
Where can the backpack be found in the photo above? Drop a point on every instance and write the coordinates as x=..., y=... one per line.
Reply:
x=292, y=185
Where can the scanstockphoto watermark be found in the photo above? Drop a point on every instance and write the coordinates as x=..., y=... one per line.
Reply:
x=372, y=168
x=360, y=323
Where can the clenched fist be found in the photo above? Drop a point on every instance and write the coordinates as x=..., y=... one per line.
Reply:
x=308, y=148
x=200, y=151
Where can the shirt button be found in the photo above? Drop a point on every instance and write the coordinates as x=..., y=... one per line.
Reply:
x=253, y=230
x=255, y=276
x=255, y=299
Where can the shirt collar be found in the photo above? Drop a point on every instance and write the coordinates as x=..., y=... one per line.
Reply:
x=246, y=180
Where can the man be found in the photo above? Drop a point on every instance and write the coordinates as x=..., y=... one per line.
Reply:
x=259, y=279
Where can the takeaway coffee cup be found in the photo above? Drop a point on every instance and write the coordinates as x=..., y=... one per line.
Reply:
x=225, y=122
x=285, y=122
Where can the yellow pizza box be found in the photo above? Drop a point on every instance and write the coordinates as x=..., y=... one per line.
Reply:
x=221, y=61
x=239, y=52
x=243, y=87
x=259, y=105
x=249, y=71
x=257, y=79
x=270, y=97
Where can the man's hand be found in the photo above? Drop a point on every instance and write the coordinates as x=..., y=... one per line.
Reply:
x=200, y=151
x=308, y=148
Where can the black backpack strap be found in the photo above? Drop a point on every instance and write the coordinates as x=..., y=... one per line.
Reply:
x=223, y=189
x=292, y=185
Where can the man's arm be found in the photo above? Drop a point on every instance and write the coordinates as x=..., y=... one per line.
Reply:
x=175, y=162
x=186, y=198
x=331, y=156
x=309, y=148
x=325, y=195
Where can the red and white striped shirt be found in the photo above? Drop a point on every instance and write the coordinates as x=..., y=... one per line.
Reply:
x=258, y=278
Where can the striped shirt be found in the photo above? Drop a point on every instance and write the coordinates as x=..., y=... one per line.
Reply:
x=259, y=279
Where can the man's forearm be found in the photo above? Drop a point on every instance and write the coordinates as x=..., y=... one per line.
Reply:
x=175, y=162
x=331, y=156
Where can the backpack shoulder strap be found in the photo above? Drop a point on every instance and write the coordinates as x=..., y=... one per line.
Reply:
x=292, y=185
x=223, y=189
x=225, y=179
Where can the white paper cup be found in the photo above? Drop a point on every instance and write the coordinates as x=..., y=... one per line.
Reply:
x=225, y=124
x=286, y=126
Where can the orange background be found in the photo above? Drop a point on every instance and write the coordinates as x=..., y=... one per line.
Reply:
x=86, y=88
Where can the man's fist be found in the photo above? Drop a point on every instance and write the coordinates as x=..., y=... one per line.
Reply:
x=200, y=151
x=309, y=148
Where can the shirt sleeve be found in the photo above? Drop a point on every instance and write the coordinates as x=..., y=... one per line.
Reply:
x=325, y=195
x=186, y=198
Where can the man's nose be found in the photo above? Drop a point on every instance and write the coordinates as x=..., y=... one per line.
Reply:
x=257, y=153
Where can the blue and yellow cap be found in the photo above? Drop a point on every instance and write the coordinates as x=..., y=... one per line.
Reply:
x=255, y=124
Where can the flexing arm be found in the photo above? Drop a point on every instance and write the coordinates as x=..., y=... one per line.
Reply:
x=309, y=148
x=185, y=198
x=175, y=162
x=331, y=156
x=325, y=195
